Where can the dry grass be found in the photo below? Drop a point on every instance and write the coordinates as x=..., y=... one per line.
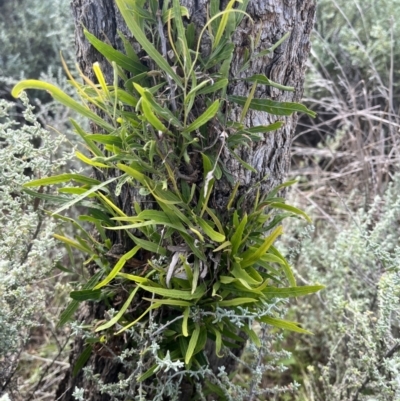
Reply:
x=354, y=144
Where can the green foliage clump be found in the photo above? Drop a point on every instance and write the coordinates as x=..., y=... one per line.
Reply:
x=197, y=270
x=354, y=354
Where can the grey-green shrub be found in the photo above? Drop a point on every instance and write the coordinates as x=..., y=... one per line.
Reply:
x=26, y=235
x=32, y=33
x=354, y=354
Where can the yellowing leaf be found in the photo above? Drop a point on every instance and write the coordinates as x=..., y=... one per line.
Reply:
x=90, y=162
x=214, y=235
x=120, y=313
x=119, y=265
x=283, y=324
x=61, y=97
x=251, y=257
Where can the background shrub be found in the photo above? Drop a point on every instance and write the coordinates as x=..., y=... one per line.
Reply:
x=354, y=352
x=31, y=35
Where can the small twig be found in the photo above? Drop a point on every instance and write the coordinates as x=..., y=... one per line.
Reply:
x=28, y=356
x=157, y=332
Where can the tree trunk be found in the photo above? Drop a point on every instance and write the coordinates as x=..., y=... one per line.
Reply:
x=270, y=157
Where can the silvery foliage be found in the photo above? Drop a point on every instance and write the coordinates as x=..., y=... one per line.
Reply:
x=256, y=364
x=27, y=248
x=355, y=352
x=32, y=33
x=31, y=36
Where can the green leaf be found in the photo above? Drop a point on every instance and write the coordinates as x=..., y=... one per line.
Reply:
x=204, y=118
x=69, y=311
x=248, y=102
x=85, y=194
x=222, y=53
x=286, y=184
x=215, y=220
x=125, y=97
x=289, y=208
x=224, y=21
x=286, y=267
x=236, y=302
x=227, y=279
x=148, y=111
x=58, y=179
x=218, y=343
x=194, y=90
x=252, y=335
x=214, y=235
x=61, y=97
x=118, y=266
x=150, y=372
x=111, y=54
x=175, y=294
x=219, y=84
x=185, y=320
x=133, y=173
x=96, y=151
x=251, y=257
x=149, y=246
x=245, y=276
x=73, y=243
x=262, y=129
x=192, y=344
x=120, y=313
x=283, y=324
x=201, y=342
x=177, y=12
x=155, y=217
x=262, y=79
x=162, y=111
x=272, y=107
x=291, y=292
x=172, y=302
x=105, y=140
x=243, y=163
x=85, y=295
x=194, y=247
x=82, y=359
x=167, y=15
x=238, y=235
x=129, y=50
x=128, y=326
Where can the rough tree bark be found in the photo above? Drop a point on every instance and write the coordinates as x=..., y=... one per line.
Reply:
x=270, y=157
